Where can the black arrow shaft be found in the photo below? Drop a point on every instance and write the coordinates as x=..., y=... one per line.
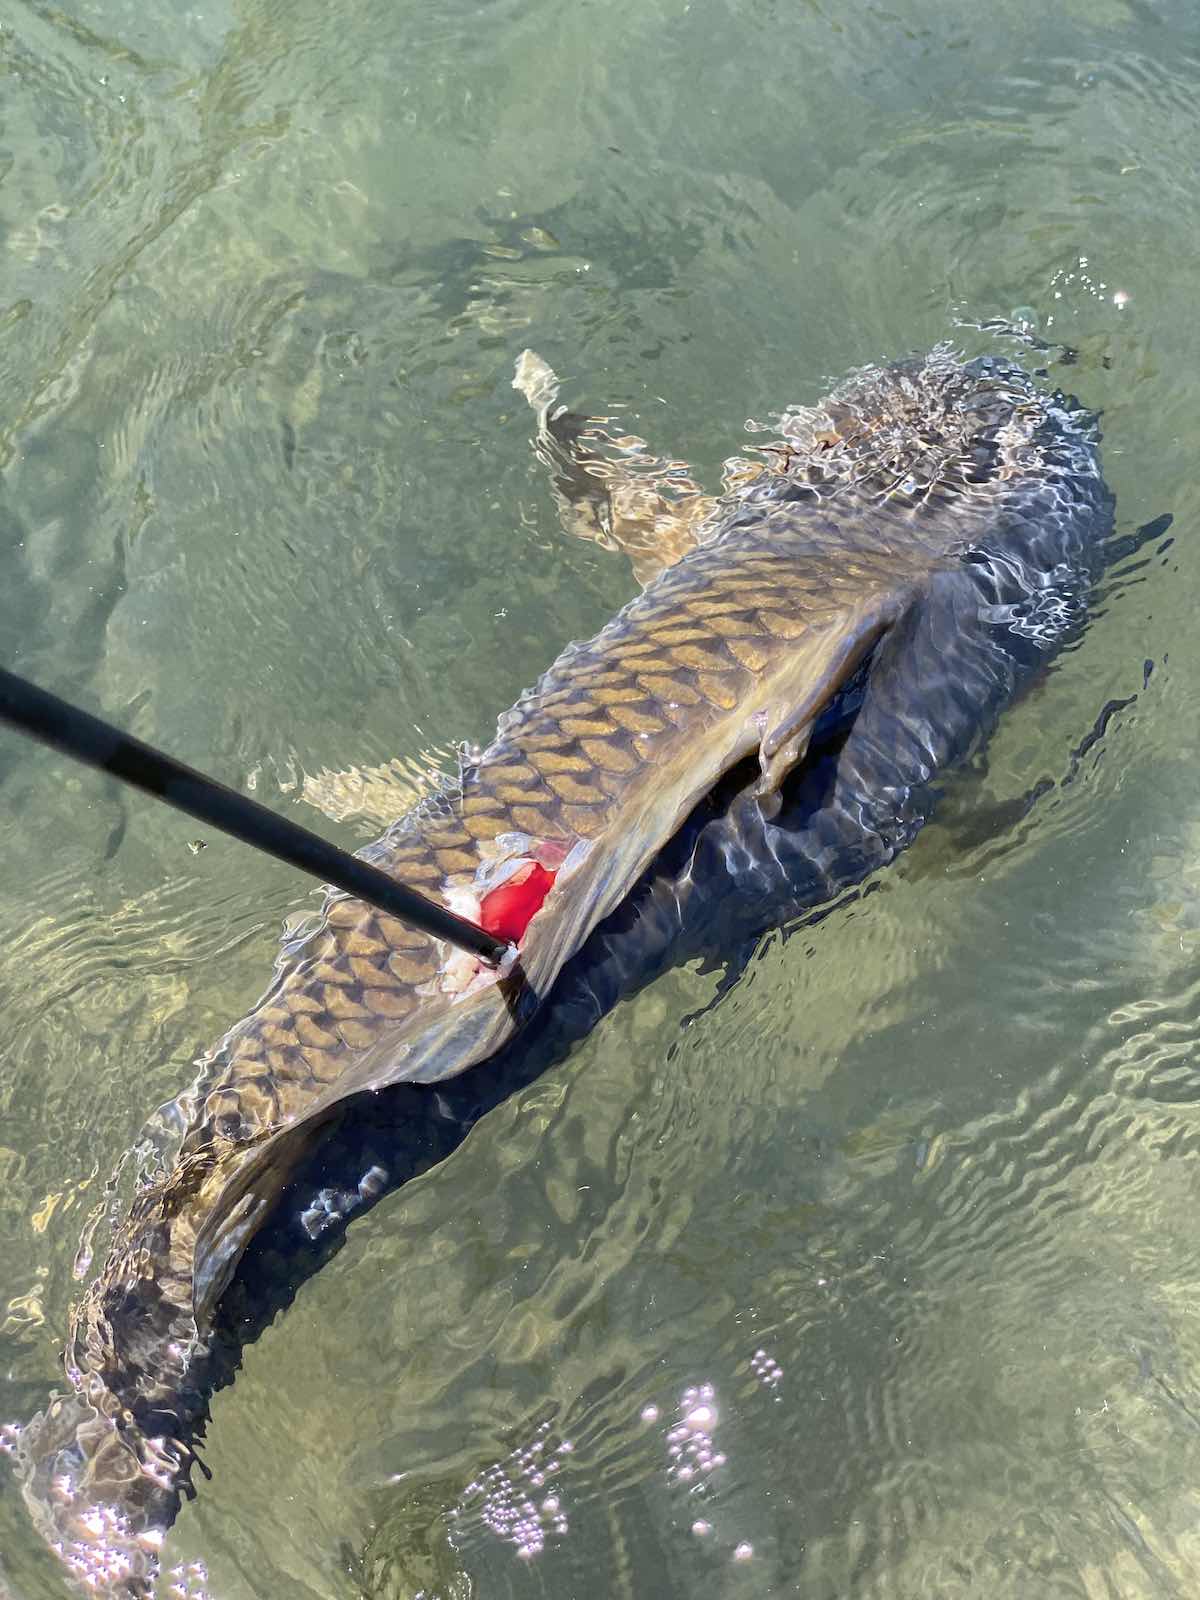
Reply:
x=97, y=743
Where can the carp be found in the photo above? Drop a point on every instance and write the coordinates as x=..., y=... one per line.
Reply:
x=796, y=593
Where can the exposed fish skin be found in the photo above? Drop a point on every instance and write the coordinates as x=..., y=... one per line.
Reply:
x=736, y=648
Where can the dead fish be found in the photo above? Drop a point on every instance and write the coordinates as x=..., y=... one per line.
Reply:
x=761, y=606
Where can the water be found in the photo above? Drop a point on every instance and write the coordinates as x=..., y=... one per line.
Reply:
x=908, y=1214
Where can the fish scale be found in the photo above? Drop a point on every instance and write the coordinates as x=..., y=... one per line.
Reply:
x=736, y=646
x=364, y=971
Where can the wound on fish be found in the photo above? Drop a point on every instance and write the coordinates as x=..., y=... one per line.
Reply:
x=509, y=909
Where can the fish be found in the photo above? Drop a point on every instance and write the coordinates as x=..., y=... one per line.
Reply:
x=793, y=597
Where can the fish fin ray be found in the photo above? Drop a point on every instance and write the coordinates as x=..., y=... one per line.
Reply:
x=378, y=795
x=609, y=490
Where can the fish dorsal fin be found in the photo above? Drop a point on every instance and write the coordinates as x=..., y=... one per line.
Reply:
x=609, y=489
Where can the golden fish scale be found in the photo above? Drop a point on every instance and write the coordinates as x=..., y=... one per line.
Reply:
x=609, y=712
x=667, y=671
x=566, y=760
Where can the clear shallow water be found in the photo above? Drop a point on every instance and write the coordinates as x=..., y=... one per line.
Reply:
x=267, y=498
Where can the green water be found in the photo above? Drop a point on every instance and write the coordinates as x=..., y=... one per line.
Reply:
x=266, y=497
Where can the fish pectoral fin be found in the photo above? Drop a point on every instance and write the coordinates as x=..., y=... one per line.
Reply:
x=377, y=794
x=608, y=489
x=836, y=655
x=787, y=755
x=537, y=381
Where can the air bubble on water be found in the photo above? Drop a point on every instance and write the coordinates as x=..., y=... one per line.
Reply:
x=500, y=1499
x=691, y=1452
x=766, y=1369
x=188, y=1581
